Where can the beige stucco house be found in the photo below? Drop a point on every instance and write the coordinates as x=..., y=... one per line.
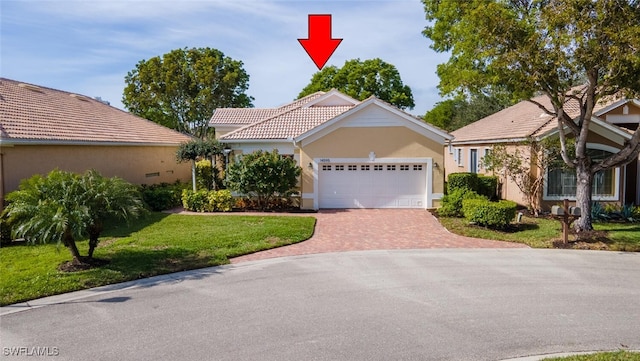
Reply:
x=42, y=129
x=353, y=154
x=612, y=124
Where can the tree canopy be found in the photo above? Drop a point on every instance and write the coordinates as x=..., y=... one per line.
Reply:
x=362, y=79
x=455, y=113
x=182, y=88
x=579, y=51
x=65, y=207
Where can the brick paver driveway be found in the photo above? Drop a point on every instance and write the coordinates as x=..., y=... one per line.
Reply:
x=376, y=229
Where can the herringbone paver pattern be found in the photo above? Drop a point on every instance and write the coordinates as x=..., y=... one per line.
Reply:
x=376, y=229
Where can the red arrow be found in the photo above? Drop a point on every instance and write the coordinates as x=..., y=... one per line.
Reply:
x=320, y=46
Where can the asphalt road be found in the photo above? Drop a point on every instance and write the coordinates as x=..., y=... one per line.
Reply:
x=378, y=305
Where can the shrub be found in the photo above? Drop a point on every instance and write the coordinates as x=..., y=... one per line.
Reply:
x=207, y=201
x=204, y=174
x=263, y=176
x=489, y=214
x=488, y=186
x=452, y=202
x=462, y=181
x=163, y=196
x=221, y=201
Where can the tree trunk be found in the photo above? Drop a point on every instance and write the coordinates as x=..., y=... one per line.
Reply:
x=584, y=180
x=70, y=243
x=94, y=233
x=193, y=174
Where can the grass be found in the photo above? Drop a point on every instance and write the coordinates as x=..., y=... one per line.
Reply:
x=601, y=356
x=534, y=232
x=157, y=244
x=543, y=233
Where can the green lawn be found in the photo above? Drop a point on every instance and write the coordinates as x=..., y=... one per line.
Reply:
x=602, y=356
x=158, y=244
x=542, y=233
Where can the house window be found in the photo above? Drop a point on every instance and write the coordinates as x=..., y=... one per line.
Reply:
x=458, y=155
x=391, y=167
x=417, y=167
x=326, y=167
x=377, y=167
x=364, y=167
x=561, y=183
x=404, y=167
x=352, y=167
x=340, y=167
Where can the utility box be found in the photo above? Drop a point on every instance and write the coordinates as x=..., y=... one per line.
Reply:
x=574, y=211
x=557, y=211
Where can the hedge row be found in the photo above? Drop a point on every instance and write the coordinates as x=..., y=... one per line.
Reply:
x=489, y=214
x=483, y=185
x=207, y=201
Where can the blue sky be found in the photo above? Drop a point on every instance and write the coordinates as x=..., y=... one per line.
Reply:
x=88, y=47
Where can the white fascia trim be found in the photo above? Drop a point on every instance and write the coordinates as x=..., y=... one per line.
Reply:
x=248, y=141
x=332, y=92
x=596, y=121
x=12, y=142
x=610, y=107
x=489, y=141
x=414, y=124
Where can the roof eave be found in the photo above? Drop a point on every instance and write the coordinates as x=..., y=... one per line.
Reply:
x=15, y=141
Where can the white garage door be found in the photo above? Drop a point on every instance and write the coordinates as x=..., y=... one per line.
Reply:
x=372, y=185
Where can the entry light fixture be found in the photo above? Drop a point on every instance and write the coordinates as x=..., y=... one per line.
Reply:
x=310, y=166
x=435, y=165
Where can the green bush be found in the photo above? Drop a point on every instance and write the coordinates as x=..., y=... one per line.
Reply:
x=163, y=196
x=221, y=201
x=263, y=176
x=489, y=214
x=452, y=202
x=488, y=186
x=204, y=174
x=207, y=201
x=462, y=181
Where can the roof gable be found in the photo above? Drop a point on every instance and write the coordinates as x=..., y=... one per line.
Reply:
x=374, y=112
x=33, y=114
x=245, y=116
x=518, y=122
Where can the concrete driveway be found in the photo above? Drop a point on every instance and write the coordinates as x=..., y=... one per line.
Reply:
x=446, y=304
x=376, y=229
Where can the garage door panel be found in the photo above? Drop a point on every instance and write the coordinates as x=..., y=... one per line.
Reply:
x=372, y=186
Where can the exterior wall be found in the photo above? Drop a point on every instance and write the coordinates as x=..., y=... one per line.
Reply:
x=508, y=189
x=136, y=164
x=358, y=142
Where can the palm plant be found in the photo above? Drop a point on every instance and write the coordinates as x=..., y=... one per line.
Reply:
x=64, y=207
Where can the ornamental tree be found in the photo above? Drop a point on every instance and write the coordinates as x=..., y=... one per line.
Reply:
x=578, y=51
x=362, y=79
x=65, y=207
x=182, y=88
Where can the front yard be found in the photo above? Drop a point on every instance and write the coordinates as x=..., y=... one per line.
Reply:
x=157, y=244
x=547, y=233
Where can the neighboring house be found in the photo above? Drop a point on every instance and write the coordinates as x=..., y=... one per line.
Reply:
x=612, y=124
x=42, y=129
x=353, y=154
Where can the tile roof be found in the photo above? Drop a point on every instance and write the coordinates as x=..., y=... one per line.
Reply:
x=240, y=116
x=522, y=120
x=289, y=124
x=34, y=113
